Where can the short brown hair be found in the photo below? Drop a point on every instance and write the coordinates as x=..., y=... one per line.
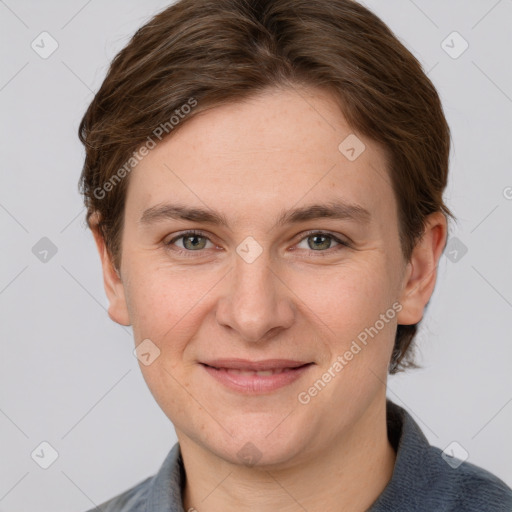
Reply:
x=222, y=51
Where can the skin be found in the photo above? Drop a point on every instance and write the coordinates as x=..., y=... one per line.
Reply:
x=251, y=161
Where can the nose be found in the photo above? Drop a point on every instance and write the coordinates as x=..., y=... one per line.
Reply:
x=257, y=303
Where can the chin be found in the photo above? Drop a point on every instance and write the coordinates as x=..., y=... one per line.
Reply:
x=258, y=443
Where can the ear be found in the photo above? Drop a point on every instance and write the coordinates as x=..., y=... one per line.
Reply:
x=114, y=288
x=421, y=271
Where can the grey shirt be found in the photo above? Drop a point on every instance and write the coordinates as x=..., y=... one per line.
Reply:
x=422, y=480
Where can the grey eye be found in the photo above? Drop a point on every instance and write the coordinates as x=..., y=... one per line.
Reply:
x=193, y=242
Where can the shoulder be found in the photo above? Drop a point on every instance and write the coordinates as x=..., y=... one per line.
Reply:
x=467, y=487
x=426, y=479
x=161, y=491
x=132, y=500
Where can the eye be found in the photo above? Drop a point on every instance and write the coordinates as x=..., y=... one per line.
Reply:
x=319, y=241
x=192, y=241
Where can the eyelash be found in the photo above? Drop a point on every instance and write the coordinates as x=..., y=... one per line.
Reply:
x=308, y=234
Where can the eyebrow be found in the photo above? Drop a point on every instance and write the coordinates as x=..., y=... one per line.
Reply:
x=333, y=210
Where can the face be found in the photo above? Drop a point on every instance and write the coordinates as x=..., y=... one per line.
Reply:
x=251, y=240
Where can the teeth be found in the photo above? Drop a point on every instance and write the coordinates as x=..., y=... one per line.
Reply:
x=262, y=373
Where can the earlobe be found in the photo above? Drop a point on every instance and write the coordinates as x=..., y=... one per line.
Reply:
x=114, y=288
x=421, y=272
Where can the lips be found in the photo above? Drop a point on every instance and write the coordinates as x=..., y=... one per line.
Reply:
x=263, y=373
x=255, y=366
x=255, y=377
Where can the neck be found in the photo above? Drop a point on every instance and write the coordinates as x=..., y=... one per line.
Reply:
x=349, y=475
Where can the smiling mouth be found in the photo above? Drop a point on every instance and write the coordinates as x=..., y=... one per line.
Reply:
x=263, y=373
x=256, y=377
x=262, y=365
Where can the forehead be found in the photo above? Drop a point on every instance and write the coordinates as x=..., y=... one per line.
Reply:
x=281, y=147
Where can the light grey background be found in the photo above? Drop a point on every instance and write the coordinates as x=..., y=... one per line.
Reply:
x=68, y=375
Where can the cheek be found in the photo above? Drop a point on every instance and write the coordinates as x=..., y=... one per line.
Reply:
x=166, y=304
x=347, y=298
x=347, y=305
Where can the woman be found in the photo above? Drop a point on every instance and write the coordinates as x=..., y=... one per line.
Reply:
x=264, y=183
